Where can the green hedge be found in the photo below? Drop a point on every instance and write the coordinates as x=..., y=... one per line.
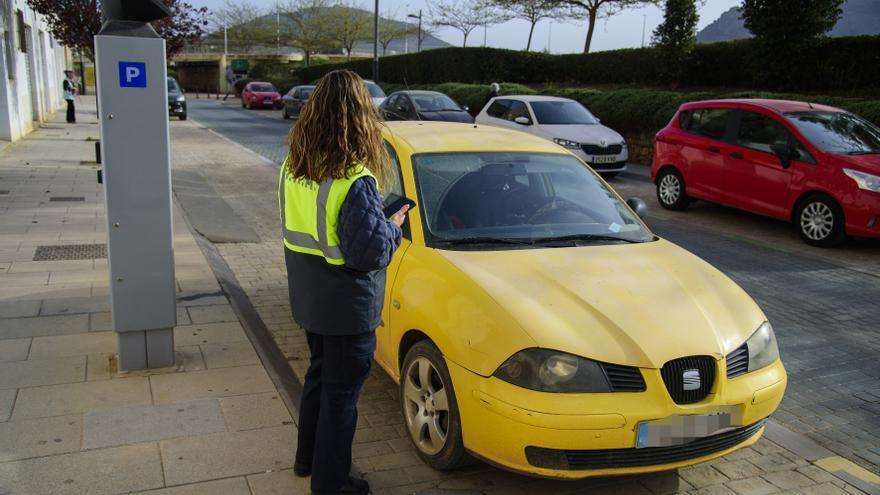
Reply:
x=837, y=64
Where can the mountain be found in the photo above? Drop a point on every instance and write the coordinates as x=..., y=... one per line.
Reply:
x=859, y=17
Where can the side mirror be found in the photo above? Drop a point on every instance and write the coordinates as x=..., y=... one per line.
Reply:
x=785, y=153
x=466, y=108
x=522, y=120
x=639, y=206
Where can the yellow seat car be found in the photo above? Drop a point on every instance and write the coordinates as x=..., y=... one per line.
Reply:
x=533, y=321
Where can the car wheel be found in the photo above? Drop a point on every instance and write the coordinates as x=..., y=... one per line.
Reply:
x=284, y=114
x=182, y=116
x=820, y=221
x=429, y=407
x=671, y=190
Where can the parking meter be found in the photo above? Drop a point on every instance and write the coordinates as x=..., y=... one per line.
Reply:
x=135, y=151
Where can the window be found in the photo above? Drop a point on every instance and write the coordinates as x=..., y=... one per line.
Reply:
x=760, y=132
x=262, y=88
x=562, y=112
x=403, y=105
x=497, y=108
x=375, y=90
x=22, y=31
x=10, y=54
x=395, y=191
x=518, y=109
x=435, y=102
x=837, y=132
x=709, y=122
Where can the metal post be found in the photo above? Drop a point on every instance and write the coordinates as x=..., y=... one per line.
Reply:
x=376, y=43
x=406, y=31
x=644, y=21
x=225, y=39
x=420, y=31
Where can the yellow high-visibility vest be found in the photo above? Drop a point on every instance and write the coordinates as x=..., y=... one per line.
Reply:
x=310, y=213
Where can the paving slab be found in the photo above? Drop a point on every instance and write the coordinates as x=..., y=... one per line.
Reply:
x=55, y=400
x=211, y=314
x=98, y=366
x=221, y=382
x=74, y=305
x=209, y=333
x=19, y=309
x=40, y=437
x=231, y=486
x=13, y=328
x=14, y=350
x=249, y=412
x=7, y=399
x=98, y=472
x=279, y=483
x=231, y=454
x=229, y=354
x=73, y=345
x=37, y=372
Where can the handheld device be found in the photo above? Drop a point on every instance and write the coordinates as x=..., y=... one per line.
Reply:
x=396, y=204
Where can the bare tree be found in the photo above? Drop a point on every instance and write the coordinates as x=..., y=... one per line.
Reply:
x=594, y=9
x=464, y=15
x=390, y=29
x=349, y=23
x=245, y=24
x=306, y=25
x=532, y=11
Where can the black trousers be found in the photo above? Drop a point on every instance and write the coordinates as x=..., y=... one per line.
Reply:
x=328, y=410
x=71, y=112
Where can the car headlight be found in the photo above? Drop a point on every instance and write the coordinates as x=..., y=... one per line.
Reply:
x=553, y=371
x=181, y=98
x=763, y=350
x=865, y=181
x=566, y=143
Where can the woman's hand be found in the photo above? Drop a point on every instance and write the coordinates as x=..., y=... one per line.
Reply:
x=400, y=217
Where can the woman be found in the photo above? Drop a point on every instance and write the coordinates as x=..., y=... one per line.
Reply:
x=337, y=246
x=70, y=90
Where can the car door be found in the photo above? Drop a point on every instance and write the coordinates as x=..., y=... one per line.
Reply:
x=756, y=179
x=705, y=144
x=517, y=109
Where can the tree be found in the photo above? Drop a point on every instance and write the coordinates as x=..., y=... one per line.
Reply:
x=390, y=30
x=245, y=24
x=594, y=9
x=74, y=23
x=308, y=27
x=348, y=24
x=785, y=30
x=464, y=15
x=532, y=11
x=676, y=36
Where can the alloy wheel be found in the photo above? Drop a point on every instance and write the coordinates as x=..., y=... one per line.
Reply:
x=426, y=406
x=670, y=189
x=817, y=221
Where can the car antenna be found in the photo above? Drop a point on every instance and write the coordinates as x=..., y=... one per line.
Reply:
x=419, y=117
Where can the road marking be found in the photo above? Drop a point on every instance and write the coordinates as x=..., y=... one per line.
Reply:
x=852, y=473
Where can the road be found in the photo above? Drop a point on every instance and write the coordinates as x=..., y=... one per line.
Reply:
x=824, y=305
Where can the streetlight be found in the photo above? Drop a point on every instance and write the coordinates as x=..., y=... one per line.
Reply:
x=419, y=17
x=376, y=43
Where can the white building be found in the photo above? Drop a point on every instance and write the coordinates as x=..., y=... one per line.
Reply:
x=31, y=70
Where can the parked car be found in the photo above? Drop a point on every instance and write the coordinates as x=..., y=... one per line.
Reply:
x=176, y=100
x=532, y=319
x=814, y=165
x=563, y=121
x=293, y=101
x=260, y=95
x=423, y=105
x=375, y=92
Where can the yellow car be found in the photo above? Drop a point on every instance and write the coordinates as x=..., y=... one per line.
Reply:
x=533, y=321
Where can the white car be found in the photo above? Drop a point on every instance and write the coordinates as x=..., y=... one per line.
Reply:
x=375, y=92
x=563, y=121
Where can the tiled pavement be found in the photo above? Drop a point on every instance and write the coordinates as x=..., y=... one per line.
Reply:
x=382, y=449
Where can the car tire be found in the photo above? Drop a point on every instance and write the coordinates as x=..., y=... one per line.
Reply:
x=423, y=409
x=671, y=192
x=284, y=114
x=182, y=116
x=608, y=175
x=820, y=221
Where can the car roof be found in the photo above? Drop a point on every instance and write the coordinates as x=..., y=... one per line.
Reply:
x=417, y=92
x=781, y=106
x=425, y=137
x=304, y=86
x=531, y=98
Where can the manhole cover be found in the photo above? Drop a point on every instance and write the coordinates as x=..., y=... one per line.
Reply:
x=70, y=252
x=67, y=198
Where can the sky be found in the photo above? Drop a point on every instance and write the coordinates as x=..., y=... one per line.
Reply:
x=624, y=30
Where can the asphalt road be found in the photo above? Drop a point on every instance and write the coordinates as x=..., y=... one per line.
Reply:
x=826, y=314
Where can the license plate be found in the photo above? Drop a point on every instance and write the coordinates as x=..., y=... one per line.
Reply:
x=603, y=159
x=678, y=430
x=267, y=100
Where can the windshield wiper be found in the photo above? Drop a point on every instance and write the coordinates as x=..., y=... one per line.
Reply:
x=584, y=237
x=863, y=152
x=484, y=240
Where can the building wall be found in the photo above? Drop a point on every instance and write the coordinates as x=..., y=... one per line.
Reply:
x=31, y=70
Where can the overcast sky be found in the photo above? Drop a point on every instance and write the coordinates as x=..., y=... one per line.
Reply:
x=621, y=31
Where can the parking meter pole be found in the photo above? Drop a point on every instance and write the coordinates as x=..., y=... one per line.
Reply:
x=132, y=96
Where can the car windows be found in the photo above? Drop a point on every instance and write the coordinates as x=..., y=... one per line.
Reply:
x=498, y=108
x=391, y=102
x=375, y=90
x=837, y=132
x=708, y=122
x=262, y=88
x=562, y=113
x=760, y=132
x=403, y=105
x=395, y=190
x=517, y=109
x=172, y=85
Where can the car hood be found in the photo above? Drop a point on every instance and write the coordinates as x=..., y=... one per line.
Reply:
x=588, y=134
x=636, y=304
x=864, y=163
x=447, y=116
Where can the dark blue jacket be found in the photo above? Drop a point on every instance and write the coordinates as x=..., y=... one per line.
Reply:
x=345, y=300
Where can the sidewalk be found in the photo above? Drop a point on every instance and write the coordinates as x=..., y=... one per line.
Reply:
x=70, y=422
x=782, y=462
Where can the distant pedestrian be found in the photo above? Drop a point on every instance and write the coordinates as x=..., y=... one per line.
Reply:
x=338, y=244
x=70, y=91
x=494, y=90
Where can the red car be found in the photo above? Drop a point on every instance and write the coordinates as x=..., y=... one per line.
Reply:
x=814, y=165
x=260, y=95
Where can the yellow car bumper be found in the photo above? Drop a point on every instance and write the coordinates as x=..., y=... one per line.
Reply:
x=582, y=435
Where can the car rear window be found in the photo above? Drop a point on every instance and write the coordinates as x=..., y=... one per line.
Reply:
x=708, y=122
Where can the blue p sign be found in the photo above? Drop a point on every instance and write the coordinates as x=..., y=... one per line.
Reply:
x=132, y=74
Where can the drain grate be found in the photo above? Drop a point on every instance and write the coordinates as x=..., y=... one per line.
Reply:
x=67, y=198
x=70, y=252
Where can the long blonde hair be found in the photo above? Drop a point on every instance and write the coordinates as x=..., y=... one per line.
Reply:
x=337, y=131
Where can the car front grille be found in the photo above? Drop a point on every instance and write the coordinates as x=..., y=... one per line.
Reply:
x=738, y=361
x=624, y=378
x=676, y=372
x=595, y=149
x=632, y=457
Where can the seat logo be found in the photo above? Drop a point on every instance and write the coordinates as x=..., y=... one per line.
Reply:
x=691, y=379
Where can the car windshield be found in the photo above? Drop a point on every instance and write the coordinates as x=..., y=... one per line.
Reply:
x=262, y=88
x=529, y=199
x=427, y=102
x=172, y=86
x=838, y=132
x=304, y=93
x=562, y=113
x=375, y=90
